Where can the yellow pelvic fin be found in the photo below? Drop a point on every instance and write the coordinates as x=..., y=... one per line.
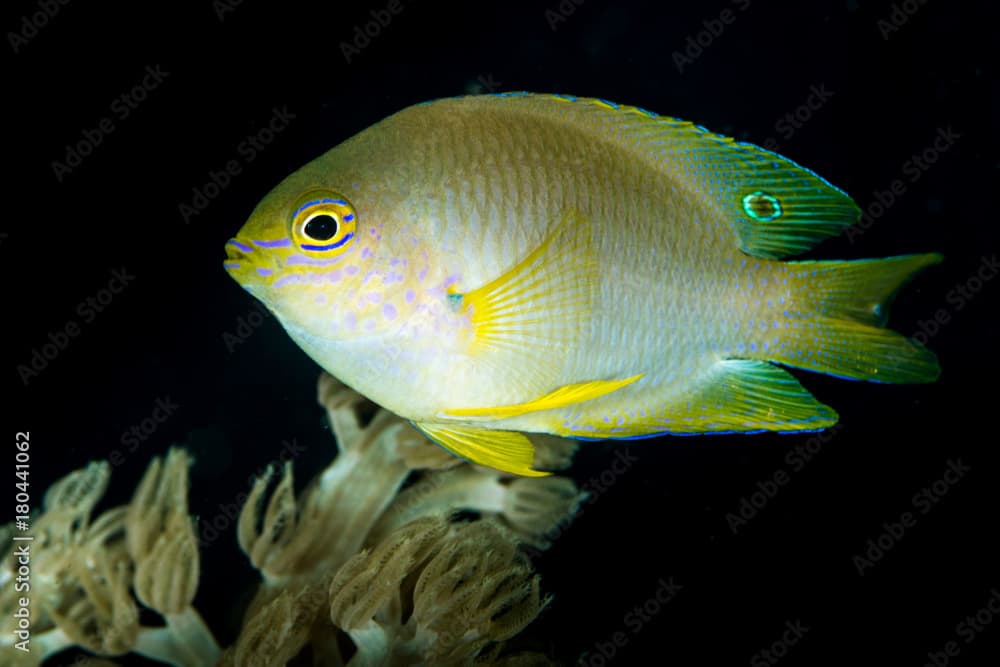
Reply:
x=543, y=300
x=560, y=398
x=506, y=451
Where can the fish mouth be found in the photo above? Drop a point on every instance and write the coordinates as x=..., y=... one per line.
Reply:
x=240, y=260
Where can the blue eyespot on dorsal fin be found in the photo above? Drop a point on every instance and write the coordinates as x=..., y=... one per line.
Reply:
x=776, y=207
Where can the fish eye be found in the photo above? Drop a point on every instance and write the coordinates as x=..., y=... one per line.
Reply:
x=321, y=227
x=323, y=223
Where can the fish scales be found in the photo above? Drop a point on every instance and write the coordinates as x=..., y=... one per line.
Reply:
x=492, y=265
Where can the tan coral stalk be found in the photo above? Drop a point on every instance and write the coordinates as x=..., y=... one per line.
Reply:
x=161, y=541
x=472, y=589
x=329, y=523
x=532, y=507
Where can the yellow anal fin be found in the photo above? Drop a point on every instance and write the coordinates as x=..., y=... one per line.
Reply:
x=506, y=451
x=748, y=395
x=560, y=398
x=737, y=395
x=543, y=300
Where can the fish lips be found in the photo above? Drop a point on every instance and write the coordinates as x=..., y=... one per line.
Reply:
x=247, y=265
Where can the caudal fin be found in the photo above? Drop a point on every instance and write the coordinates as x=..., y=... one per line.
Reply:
x=845, y=308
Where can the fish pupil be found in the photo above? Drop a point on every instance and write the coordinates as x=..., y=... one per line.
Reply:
x=321, y=228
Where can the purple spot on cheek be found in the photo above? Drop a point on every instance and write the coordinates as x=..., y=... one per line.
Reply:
x=367, y=253
x=369, y=325
x=320, y=298
x=335, y=276
x=350, y=320
x=422, y=274
x=410, y=296
x=293, y=278
x=389, y=311
x=374, y=297
x=264, y=272
x=351, y=270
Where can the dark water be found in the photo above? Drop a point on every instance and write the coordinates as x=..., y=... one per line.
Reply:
x=854, y=90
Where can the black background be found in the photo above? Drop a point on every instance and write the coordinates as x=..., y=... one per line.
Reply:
x=666, y=516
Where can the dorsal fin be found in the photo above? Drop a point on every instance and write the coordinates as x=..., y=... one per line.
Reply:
x=777, y=207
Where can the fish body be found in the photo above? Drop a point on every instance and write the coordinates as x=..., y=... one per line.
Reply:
x=491, y=265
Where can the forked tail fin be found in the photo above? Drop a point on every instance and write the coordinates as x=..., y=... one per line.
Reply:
x=845, y=304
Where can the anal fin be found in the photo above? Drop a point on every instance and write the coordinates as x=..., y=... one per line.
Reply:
x=507, y=451
x=747, y=395
x=736, y=395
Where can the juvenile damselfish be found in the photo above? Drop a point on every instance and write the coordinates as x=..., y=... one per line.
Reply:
x=496, y=265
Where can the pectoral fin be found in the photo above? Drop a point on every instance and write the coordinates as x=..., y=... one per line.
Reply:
x=561, y=397
x=540, y=302
x=506, y=451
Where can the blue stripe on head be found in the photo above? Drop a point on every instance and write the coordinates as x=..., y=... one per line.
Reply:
x=317, y=202
x=277, y=243
x=330, y=246
x=244, y=248
x=305, y=206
